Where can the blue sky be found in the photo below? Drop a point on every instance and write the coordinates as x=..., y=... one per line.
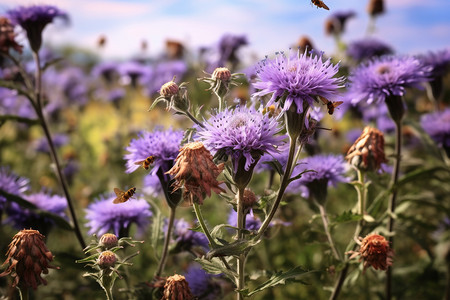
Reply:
x=410, y=26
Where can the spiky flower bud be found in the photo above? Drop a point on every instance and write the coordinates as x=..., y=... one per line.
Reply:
x=367, y=152
x=169, y=89
x=195, y=170
x=108, y=241
x=28, y=258
x=177, y=288
x=221, y=80
x=106, y=259
x=175, y=96
x=222, y=74
x=375, y=252
x=7, y=36
x=375, y=7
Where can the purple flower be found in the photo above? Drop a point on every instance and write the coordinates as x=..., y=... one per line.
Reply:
x=163, y=73
x=152, y=186
x=132, y=72
x=228, y=46
x=300, y=78
x=69, y=84
x=59, y=140
x=186, y=238
x=385, y=76
x=163, y=145
x=12, y=184
x=13, y=104
x=327, y=170
x=202, y=284
x=438, y=61
x=252, y=222
x=437, y=125
x=106, y=70
x=241, y=132
x=105, y=216
x=33, y=20
x=26, y=218
x=281, y=155
x=367, y=48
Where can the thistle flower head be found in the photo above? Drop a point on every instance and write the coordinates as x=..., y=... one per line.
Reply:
x=7, y=37
x=33, y=19
x=438, y=61
x=241, y=133
x=177, y=288
x=104, y=216
x=12, y=184
x=221, y=80
x=28, y=258
x=202, y=284
x=186, y=239
x=367, y=152
x=252, y=222
x=162, y=144
x=368, y=48
x=195, y=169
x=299, y=78
x=375, y=252
x=437, y=125
x=380, y=78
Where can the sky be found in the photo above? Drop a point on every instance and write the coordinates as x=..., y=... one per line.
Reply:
x=409, y=26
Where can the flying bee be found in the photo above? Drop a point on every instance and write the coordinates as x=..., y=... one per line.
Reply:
x=123, y=196
x=331, y=105
x=146, y=162
x=320, y=4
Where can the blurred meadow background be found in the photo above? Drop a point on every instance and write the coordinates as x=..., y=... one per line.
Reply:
x=112, y=57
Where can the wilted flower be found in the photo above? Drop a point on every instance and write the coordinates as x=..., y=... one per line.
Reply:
x=7, y=37
x=375, y=7
x=437, y=125
x=375, y=252
x=22, y=217
x=28, y=258
x=195, y=170
x=202, y=284
x=244, y=134
x=386, y=76
x=174, y=49
x=105, y=216
x=33, y=20
x=335, y=24
x=300, y=78
x=162, y=144
x=177, y=288
x=12, y=184
x=367, y=152
x=367, y=48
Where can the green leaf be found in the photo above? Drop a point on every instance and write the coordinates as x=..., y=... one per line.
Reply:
x=157, y=225
x=281, y=277
x=300, y=175
x=216, y=267
x=157, y=100
x=19, y=200
x=420, y=174
x=346, y=216
x=275, y=164
x=4, y=118
x=235, y=248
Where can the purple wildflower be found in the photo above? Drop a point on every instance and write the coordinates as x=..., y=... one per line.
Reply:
x=105, y=216
x=228, y=46
x=13, y=104
x=152, y=186
x=281, y=155
x=164, y=72
x=438, y=61
x=26, y=218
x=252, y=222
x=437, y=125
x=163, y=145
x=186, y=238
x=202, y=284
x=300, y=78
x=361, y=50
x=386, y=76
x=131, y=72
x=241, y=133
x=59, y=140
x=106, y=70
x=12, y=184
x=33, y=20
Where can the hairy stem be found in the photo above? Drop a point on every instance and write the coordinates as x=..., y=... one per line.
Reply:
x=162, y=261
x=62, y=180
x=194, y=119
x=241, y=226
x=326, y=227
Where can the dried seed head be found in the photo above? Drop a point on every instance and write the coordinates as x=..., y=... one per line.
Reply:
x=28, y=258
x=375, y=252
x=177, y=288
x=169, y=89
x=375, y=7
x=222, y=74
x=249, y=199
x=7, y=36
x=367, y=153
x=108, y=241
x=106, y=259
x=195, y=170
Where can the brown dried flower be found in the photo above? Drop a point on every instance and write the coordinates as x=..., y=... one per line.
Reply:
x=7, y=36
x=177, y=288
x=367, y=152
x=375, y=7
x=195, y=170
x=28, y=258
x=375, y=252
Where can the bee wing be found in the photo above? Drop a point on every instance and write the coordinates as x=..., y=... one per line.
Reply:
x=118, y=192
x=323, y=5
x=337, y=103
x=139, y=162
x=118, y=200
x=323, y=99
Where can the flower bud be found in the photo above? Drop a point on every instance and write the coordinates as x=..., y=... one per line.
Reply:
x=177, y=288
x=106, y=259
x=169, y=89
x=28, y=258
x=171, y=93
x=367, y=152
x=195, y=169
x=222, y=74
x=108, y=241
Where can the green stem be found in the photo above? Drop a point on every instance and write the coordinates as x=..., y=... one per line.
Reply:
x=338, y=287
x=326, y=226
x=107, y=282
x=162, y=261
x=194, y=119
x=392, y=200
x=62, y=180
x=241, y=226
